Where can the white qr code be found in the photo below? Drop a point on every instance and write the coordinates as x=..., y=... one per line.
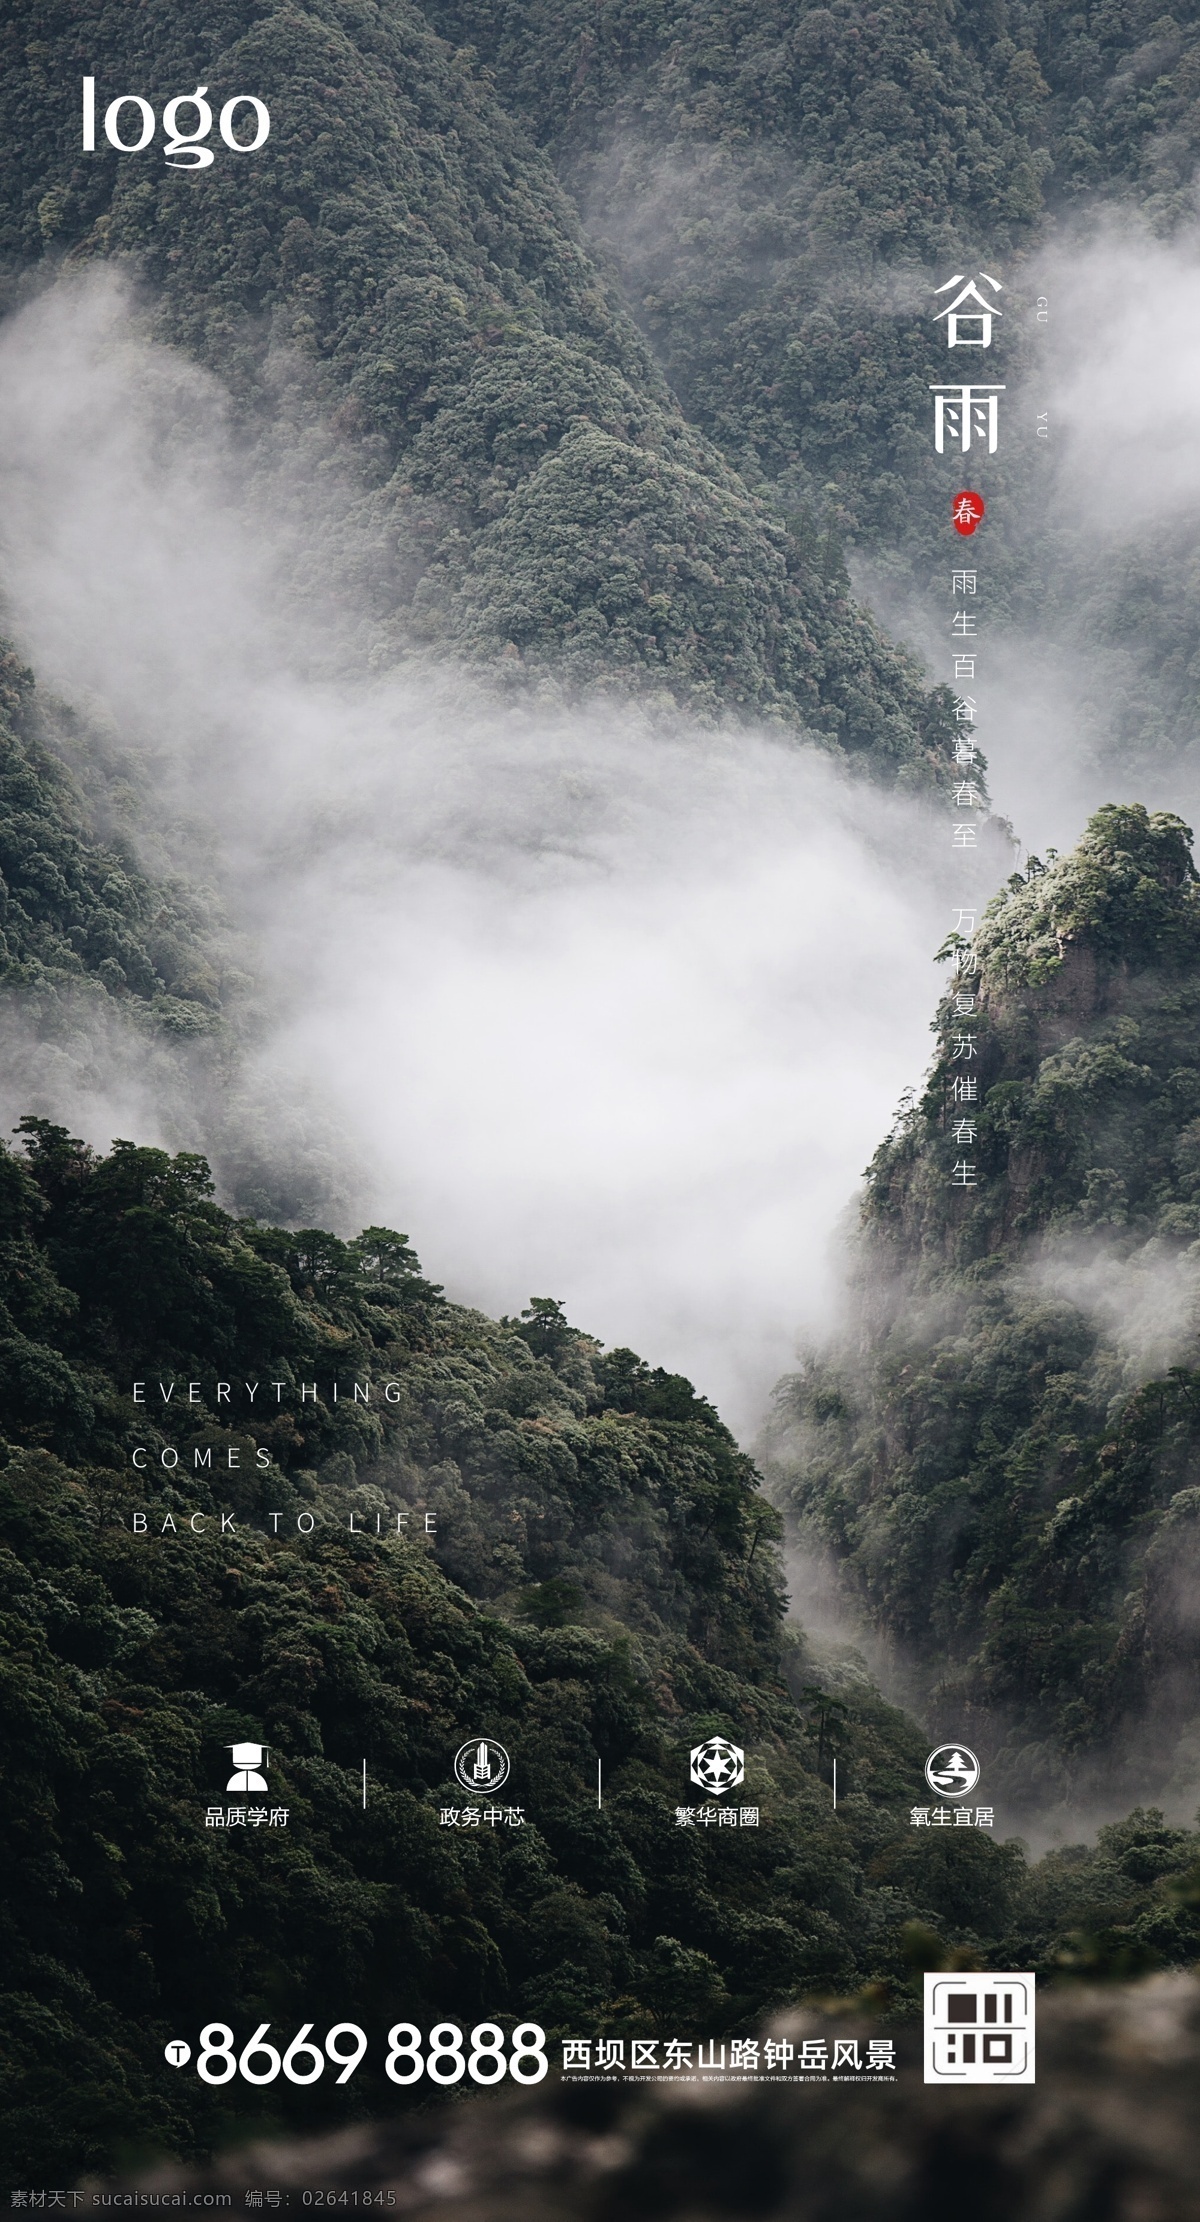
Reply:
x=979, y=2029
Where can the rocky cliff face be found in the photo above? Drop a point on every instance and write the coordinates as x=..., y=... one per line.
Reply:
x=1085, y=977
x=1002, y=1455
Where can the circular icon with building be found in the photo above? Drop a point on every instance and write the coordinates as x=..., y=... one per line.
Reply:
x=718, y=1765
x=481, y=1765
x=952, y=1770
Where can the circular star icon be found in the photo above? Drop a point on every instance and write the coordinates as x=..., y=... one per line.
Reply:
x=718, y=1765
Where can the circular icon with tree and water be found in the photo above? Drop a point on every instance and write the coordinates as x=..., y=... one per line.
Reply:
x=952, y=1770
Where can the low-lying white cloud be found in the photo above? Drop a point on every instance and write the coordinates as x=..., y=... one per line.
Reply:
x=605, y=1012
x=1145, y=1302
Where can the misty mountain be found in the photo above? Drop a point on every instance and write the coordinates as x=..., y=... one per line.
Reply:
x=775, y=185
x=779, y=189
x=581, y=350
x=1002, y=1457
x=397, y=290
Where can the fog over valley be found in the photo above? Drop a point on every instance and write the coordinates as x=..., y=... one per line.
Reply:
x=606, y=1008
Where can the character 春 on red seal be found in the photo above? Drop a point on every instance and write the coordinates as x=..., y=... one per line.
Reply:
x=966, y=511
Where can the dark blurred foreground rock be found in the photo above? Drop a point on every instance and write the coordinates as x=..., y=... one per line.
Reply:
x=1109, y=2133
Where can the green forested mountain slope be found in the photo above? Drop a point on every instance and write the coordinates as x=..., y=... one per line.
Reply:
x=400, y=267
x=398, y=289
x=764, y=177
x=602, y=1586
x=777, y=184
x=1012, y=1498
x=78, y=912
x=780, y=187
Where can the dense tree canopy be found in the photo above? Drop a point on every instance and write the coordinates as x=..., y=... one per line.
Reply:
x=795, y=154
x=528, y=1538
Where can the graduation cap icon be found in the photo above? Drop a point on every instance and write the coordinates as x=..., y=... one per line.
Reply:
x=247, y=1759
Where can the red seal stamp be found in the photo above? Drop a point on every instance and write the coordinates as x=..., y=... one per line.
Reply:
x=966, y=511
